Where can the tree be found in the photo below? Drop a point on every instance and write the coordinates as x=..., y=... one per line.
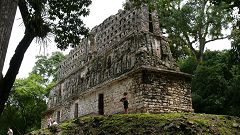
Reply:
x=210, y=86
x=61, y=18
x=24, y=107
x=7, y=13
x=47, y=66
x=27, y=99
x=235, y=49
x=235, y=44
x=191, y=23
x=188, y=65
x=233, y=5
x=233, y=93
x=215, y=84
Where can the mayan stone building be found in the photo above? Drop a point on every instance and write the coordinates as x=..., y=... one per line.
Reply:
x=126, y=53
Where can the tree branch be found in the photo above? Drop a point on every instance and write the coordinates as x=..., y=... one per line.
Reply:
x=206, y=29
x=24, y=12
x=195, y=40
x=190, y=43
x=216, y=39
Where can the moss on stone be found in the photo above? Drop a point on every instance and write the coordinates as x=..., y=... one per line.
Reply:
x=151, y=124
x=67, y=125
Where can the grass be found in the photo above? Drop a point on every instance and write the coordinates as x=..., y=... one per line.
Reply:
x=151, y=124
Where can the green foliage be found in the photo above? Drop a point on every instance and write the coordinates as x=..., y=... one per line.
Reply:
x=47, y=66
x=231, y=3
x=179, y=51
x=24, y=107
x=233, y=92
x=59, y=17
x=70, y=26
x=67, y=125
x=235, y=51
x=188, y=65
x=215, y=85
x=53, y=129
x=210, y=85
x=28, y=97
x=234, y=6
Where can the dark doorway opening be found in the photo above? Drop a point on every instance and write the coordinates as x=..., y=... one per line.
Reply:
x=76, y=110
x=101, y=104
x=58, y=117
x=150, y=22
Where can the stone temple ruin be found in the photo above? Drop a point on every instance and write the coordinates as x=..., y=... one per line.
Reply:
x=126, y=53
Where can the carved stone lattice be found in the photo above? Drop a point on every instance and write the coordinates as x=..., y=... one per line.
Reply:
x=126, y=53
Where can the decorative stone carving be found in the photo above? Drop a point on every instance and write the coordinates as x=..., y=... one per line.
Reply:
x=126, y=53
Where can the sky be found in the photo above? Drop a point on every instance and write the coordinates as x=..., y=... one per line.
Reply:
x=99, y=11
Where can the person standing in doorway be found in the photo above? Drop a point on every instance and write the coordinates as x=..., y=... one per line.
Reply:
x=10, y=131
x=125, y=102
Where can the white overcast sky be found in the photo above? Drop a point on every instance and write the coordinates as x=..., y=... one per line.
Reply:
x=99, y=11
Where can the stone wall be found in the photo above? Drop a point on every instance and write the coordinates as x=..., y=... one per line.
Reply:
x=88, y=101
x=149, y=90
x=109, y=35
x=126, y=53
x=134, y=52
x=166, y=91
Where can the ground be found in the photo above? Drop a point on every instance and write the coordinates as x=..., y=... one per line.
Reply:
x=147, y=124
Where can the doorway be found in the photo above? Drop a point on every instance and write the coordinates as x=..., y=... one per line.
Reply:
x=58, y=116
x=76, y=110
x=101, y=104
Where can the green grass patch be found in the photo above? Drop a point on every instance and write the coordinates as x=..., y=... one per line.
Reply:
x=151, y=124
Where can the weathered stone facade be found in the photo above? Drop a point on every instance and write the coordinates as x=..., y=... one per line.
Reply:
x=126, y=53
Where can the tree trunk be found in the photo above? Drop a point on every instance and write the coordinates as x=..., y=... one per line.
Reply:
x=15, y=63
x=7, y=15
x=202, y=43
